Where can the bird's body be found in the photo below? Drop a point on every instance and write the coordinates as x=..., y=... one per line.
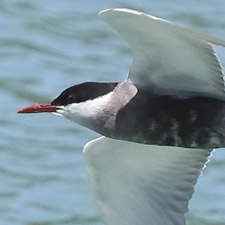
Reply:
x=193, y=122
x=160, y=125
x=129, y=113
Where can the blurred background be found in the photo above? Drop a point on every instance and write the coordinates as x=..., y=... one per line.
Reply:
x=46, y=46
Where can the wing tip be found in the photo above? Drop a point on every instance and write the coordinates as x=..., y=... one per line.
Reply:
x=108, y=11
x=126, y=10
x=90, y=143
x=107, y=14
x=102, y=12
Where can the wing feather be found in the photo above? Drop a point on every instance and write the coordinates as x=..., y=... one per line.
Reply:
x=168, y=58
x=142, y=184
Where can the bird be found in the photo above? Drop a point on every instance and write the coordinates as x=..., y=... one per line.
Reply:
x=158, y=127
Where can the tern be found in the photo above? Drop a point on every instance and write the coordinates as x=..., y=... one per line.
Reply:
x=159, y=126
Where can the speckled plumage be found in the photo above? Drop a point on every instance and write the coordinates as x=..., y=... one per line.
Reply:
x=192, y=122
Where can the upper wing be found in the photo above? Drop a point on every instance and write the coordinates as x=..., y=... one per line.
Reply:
x=167, y=57
x=142, y=184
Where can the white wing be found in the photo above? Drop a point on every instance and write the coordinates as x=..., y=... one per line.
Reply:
x=167, y=57
x=142, y=184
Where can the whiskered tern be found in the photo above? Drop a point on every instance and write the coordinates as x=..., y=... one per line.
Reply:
x=159, y=126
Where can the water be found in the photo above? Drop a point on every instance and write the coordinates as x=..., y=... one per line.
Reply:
x=46, y=46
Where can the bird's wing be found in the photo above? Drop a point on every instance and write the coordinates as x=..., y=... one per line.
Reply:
x=167, y=57
x=142, y=184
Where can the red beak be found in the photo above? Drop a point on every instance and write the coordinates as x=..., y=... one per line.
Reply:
x=39, y=108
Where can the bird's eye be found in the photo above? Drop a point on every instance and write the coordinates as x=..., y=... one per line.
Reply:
x=71, y=99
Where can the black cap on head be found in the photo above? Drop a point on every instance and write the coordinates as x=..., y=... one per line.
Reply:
x=83, y=92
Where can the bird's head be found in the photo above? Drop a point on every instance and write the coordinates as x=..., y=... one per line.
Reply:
x=80, y=103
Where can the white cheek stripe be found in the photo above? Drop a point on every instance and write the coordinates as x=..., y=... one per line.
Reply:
x=87, y=109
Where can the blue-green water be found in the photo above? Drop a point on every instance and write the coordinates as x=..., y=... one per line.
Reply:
x=46, y=46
